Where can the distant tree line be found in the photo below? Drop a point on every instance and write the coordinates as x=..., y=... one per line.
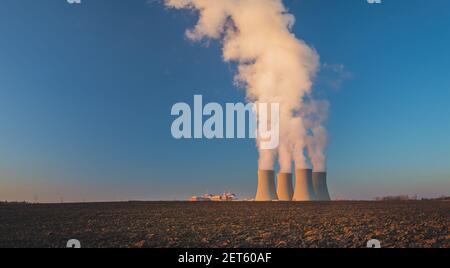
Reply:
x=13, y=202
x=409, y=198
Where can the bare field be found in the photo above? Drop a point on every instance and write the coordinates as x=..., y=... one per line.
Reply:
x=225, y=225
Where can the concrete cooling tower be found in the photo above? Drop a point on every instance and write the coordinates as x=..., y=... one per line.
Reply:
x=266, y=186
x=320, y=186
x=304, y=190
x=284, y=187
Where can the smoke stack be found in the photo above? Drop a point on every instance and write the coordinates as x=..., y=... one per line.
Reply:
x=320, y=186
x=284, y=186
x=266, y=186
x=304, y=190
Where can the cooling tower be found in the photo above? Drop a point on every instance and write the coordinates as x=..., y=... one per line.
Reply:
x=320, y=186
x=304, y=190
x=284, y=186
x=266, y=186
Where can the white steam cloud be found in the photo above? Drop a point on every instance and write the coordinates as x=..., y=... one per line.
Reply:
x=273, y=65
x=315, y=114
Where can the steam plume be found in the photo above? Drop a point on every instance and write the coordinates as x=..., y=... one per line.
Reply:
x=315, y=114
x=273, y=64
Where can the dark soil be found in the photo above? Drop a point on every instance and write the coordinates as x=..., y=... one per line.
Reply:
x=224, y=225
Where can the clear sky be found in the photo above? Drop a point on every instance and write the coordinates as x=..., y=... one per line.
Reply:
x=86, y=92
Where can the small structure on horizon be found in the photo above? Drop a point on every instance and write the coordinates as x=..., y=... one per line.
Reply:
x=216, y=198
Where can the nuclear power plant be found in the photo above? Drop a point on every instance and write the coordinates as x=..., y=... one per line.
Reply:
x=266, y=186
x=304, y=189
x=309, y=186
x=284, y=186
x=320, y=186
x=280, y=72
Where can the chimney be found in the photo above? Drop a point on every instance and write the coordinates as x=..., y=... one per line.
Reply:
x=320, y=186
x=266, y=186
x=304, y=190
x=284, y=186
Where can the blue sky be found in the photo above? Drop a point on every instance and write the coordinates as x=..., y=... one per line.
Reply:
x=86, y=92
